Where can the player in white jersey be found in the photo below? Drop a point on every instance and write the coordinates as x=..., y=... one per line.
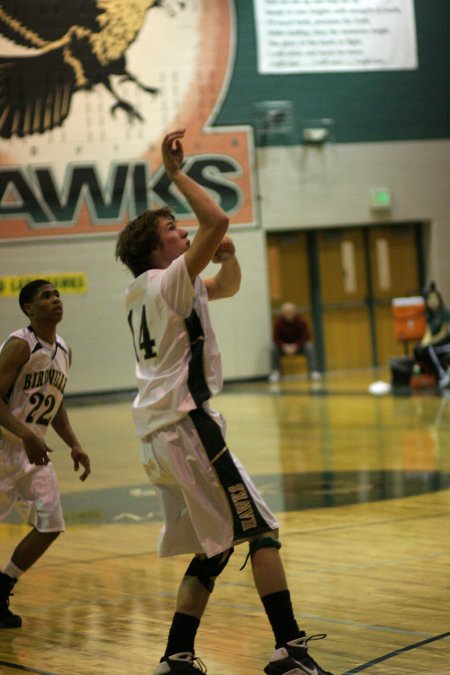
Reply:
x=208, y=500
x=34, y=363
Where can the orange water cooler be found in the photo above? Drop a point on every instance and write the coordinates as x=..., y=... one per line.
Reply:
x=409, y=318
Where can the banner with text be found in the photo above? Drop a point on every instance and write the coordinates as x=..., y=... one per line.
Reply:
x=320, y=36
x=75, y=283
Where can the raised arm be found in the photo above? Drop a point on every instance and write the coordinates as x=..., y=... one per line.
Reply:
x=212, y=220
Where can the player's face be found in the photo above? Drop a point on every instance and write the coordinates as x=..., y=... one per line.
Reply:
x=174, y=241
x=46, y=306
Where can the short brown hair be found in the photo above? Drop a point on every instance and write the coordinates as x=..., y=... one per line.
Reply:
x=139, y=238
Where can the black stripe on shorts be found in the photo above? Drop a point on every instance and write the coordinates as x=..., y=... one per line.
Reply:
x=247, y=520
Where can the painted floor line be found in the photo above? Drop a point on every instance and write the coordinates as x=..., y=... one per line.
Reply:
x=390, y=655
x=25, y=669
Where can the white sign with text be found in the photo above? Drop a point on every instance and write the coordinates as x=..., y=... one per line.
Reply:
x=319, y=36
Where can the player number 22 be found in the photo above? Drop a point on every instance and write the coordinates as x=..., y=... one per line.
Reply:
x=42, y=409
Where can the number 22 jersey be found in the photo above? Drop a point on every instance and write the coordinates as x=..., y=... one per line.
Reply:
x=38, y=389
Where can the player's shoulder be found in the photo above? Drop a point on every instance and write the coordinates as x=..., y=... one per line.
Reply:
x=23, y=338
x=16, y=349
x=153, y=280
x=137, y=289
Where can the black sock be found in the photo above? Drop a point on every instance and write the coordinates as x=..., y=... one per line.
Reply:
x=182, y=634
x=278, y=608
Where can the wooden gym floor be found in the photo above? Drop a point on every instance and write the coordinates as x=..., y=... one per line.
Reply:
x=360, y=484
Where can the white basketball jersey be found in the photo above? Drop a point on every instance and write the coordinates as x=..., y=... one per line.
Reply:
x=178, y=360
x=38, y=389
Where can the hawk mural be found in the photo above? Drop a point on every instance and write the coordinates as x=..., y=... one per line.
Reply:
x=76, y=45
x=68, y=164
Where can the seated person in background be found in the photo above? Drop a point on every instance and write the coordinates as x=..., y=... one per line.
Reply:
x=291, y=335
x=434, y=348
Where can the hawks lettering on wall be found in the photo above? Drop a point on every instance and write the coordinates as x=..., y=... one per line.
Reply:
x=128, y=190
x=88, y=88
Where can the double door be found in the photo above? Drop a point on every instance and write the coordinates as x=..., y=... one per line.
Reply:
x=343, y=280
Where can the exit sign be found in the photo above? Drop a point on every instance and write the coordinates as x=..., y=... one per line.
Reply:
x=380, y=199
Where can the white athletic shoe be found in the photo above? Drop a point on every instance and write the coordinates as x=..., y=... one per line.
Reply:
x=184, y=662
x=293, y=659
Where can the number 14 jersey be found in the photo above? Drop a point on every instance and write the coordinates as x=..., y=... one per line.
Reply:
x=178, y=364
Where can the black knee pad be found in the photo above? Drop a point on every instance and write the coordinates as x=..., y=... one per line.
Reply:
x=264, y=542
x=207, y=569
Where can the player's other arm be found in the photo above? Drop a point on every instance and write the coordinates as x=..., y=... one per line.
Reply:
x=63, y=428
x=227, y=281
x=212, y=220
x=13, y=356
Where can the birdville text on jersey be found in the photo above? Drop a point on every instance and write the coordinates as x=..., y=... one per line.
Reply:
x=32, y=193
x=39, y=378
